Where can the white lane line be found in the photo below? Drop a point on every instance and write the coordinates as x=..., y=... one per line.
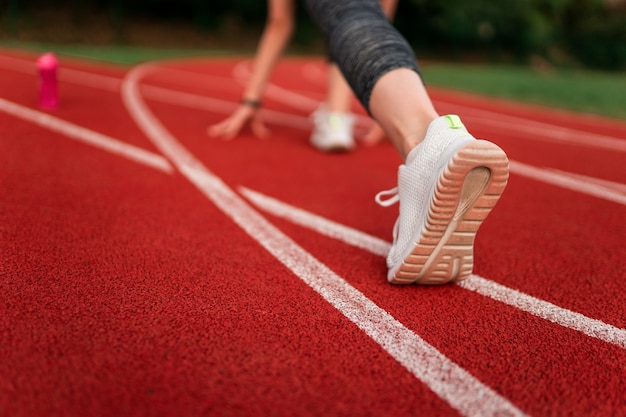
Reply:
x=451, y=382
x=314, y=73
x=194, y=101
x=214, y=105
x=317, y=223
x=242, y=72
x=573, y=182
x=193, y=79
x=548, y=311
x=87, y=79
x=164, y=95
x=18, y=65
x=87, y=136
x=585, y=185
x=606, y=184
x=582, y=184
x=533, y=130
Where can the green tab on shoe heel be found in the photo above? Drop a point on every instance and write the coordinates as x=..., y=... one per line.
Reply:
x=454, y=121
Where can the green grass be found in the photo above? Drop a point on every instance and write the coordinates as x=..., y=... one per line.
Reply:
x=602, y=93
x=126, y=55
x=578, y=90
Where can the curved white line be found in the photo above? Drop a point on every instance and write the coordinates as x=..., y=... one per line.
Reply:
x=448, y=380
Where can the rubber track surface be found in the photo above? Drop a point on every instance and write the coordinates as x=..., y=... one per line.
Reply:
x=160, y=287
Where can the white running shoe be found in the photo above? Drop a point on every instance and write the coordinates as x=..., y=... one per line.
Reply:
x=332, y=131
x=446, y=188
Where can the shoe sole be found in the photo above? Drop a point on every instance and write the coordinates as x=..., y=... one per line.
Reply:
x=333, y=147
x=466, y=192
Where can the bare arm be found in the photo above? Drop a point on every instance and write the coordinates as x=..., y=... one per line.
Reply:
x=278, y=30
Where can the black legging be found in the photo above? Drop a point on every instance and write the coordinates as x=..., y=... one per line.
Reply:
x=362, y=41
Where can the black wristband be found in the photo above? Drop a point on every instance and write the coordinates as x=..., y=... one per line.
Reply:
x=255, y=104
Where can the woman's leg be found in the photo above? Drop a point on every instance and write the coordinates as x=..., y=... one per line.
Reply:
x=339, y=96
x=333, y=122
x=449, y=181
x=371, y=53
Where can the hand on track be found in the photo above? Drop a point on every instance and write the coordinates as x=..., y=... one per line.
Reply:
x=229, y=128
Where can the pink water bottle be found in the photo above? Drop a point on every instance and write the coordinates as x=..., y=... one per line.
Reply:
x=47, y=66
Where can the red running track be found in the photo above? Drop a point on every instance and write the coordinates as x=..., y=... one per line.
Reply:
x=147, y=270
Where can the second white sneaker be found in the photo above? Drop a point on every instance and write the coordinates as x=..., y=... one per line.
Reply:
x=446, y=188
x=332, y=131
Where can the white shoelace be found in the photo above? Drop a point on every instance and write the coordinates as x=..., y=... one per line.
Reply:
x=394, y=197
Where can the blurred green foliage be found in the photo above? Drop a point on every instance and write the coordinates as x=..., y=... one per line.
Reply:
x=590, y=33
x=562, y=32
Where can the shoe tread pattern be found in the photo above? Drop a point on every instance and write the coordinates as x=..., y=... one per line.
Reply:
x=465, y=194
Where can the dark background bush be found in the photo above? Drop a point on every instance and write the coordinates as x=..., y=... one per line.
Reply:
x=589, y=33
